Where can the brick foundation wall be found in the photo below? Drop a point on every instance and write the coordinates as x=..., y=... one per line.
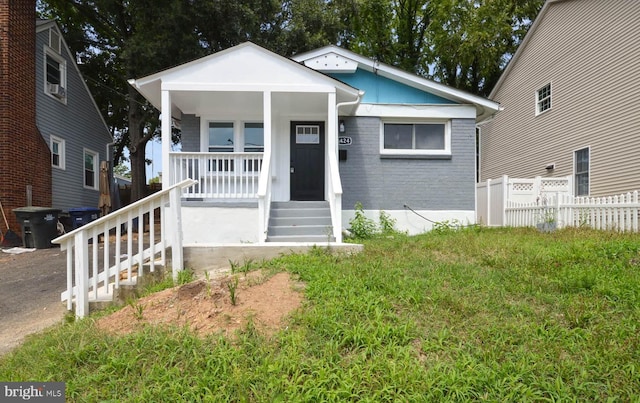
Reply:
x=25, y=158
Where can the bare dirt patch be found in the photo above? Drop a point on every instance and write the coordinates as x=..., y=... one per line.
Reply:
x=206, y=307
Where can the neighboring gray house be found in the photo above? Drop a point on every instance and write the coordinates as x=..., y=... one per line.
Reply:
x=571, y=98
x=69, y=121
x=284, y=148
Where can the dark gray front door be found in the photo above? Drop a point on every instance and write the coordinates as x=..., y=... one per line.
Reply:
x=307, y=161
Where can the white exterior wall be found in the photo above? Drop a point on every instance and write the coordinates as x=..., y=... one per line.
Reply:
x=219, y=225
x=407, y=220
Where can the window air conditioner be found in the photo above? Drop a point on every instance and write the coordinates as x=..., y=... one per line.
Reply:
x=56, y=90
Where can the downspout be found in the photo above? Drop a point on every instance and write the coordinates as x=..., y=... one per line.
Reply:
x=347, y=103
x=336, y=206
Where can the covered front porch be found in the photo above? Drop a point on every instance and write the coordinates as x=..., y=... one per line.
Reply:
x=257, y=128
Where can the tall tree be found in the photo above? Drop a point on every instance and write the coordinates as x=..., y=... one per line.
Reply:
x=118, y=40
x=471, y=41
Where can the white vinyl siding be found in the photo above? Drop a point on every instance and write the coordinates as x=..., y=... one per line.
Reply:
x=590, y=50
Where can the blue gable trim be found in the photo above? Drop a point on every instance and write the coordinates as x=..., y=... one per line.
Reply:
x=381, y=90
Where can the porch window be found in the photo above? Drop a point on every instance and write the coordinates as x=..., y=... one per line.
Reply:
x=221, y=141
x=416, y=139
x=253, y=143
x=582, y=172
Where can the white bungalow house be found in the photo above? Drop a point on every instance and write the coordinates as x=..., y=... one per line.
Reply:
x=283, y=148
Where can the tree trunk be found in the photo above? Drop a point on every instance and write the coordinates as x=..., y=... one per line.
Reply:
x=137, y=147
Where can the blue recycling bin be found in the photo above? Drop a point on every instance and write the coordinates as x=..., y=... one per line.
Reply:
x=83, y=215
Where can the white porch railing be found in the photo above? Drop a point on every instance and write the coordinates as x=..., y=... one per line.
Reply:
x=218, y=175
x=264, y=199
x=98, y=280
x=619, y=213
x=335, y=197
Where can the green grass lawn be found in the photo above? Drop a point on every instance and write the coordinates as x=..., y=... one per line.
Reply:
x=477, y=314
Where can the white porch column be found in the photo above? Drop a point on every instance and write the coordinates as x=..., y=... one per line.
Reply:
x=166, y=138
x=264, y=185
x=332, y=123
x=266, y=105
x=334, y=187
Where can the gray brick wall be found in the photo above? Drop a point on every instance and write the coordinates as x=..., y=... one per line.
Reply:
x=190, y=133
x=390, y=183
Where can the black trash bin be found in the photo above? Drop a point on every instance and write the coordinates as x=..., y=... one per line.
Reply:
x=83, y=215
x=39, y=226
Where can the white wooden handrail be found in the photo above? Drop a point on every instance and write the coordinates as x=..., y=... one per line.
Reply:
x=100, y=279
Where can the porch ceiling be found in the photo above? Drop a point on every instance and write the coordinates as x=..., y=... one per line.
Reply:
x=205, y=103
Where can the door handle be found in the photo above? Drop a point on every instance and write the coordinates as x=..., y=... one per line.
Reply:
x=292, y=170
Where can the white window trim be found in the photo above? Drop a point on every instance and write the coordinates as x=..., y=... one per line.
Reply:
x=575, y=186
x=238, y=132
x=63, y=73
x=96, y=162
x=241, y=136
x=537, y=103
x=62, y=153
x=418, y=153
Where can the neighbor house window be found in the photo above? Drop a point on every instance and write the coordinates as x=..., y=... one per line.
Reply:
x=543, y=99
x=57, y=152
x=416, y=139
x=55, y=69
x=582, y=172
x=90, y=169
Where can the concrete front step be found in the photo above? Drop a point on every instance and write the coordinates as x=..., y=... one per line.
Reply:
x=299, y=221
x=286, y=221
x=296, y=204
x=300, y=238
x=301, y=212
x=319, y=230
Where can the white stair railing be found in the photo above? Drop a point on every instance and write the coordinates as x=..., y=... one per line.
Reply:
x=112, y=268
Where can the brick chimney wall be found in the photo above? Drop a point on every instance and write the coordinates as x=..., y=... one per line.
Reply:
x=25, y=158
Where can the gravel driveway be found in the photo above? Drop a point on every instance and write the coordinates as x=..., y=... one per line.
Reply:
x=30, y=287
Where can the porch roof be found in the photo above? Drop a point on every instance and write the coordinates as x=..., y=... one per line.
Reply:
x=244, y=68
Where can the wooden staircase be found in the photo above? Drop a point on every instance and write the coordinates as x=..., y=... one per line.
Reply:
x=300, y=221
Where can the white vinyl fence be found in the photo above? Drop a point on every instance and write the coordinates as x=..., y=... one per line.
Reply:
x=619, y=213
x=493, y=195
x=539, y=201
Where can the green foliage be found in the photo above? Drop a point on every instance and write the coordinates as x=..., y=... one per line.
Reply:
x=232, y=286
x=185, y=276
x=387, y=224
x=481, y=314
x=361, y=226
